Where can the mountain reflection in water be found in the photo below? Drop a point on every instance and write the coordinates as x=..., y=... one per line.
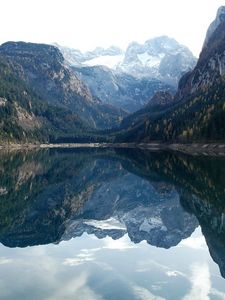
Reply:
x=50, y=196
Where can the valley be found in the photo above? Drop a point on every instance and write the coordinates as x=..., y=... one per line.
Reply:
x=156, y=93
x=112, y=150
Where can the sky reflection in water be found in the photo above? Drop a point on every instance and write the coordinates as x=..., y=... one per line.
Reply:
x=75, y=225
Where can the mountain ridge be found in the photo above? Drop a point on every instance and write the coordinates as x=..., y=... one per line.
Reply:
x=44, y=69
x=198, y=113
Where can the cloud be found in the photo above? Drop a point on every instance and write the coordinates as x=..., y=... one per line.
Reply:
x=5, y=260
x=145, y=266
x=85, y=255
x=174, y=273
x=197, y=243
x=77, y=288
x=121, y=244
x=200, y=281
x=218, y=294
x=79, y=259
x=144, y=294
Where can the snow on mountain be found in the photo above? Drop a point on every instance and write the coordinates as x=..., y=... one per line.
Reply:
x=120, y=90
x=129, y=79
x=150, y=60
x=161, y=57
x=105, y=60
x=109, y=57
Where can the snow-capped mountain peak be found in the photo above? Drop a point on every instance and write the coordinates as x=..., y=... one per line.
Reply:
x=161, y=57
x=109, y=57
x=110, y=61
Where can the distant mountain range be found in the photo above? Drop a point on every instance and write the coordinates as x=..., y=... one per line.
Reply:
x=161, y=58
x=197, y=112
x=86, y=192
x=129, y=79
x=46, y=95
x=120, y=89
x=42, y=97
x=49, y=196
x=106, y=57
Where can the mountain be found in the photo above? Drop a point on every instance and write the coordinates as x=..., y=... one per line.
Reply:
x=63, y=193
x=160, y=197
x=161, y=101
x=144, y=210
x=220, y=17
x=44, y=70
x=109, y=57
x=211, y=220
x=128, y=80
x=199, y=112
x=119, y=89
x=161, y=57
x=200, y=184
x=25, y=116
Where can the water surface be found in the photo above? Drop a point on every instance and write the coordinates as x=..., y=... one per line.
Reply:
x=111, y=224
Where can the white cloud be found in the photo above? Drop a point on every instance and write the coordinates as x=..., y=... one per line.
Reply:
x=77, y=288
x=200, y=281
x=121, y=244
x=144, y=294
x=197, y=243
x=218, y=294
x=174, y=273
x=145, y=266
x=5, y=260
x=80, y=259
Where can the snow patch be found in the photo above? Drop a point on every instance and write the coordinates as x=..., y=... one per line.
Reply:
x=106, y=224
x=149, y=60
x=106, y=60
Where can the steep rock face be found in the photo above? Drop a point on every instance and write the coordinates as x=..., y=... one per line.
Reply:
x=210, y=69
x=128, y=80
x=212, y=221
x=199, y=111
x=50, y=188
x=144, y=210
x=62, y=194
x=220, y=17
x=44, y=69
x=25, y=116
x=120, y=90
x=162, y=58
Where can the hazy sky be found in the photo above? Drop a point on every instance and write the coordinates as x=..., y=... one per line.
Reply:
x=85, y=24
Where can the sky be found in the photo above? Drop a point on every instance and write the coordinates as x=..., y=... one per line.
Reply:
x=86, y=24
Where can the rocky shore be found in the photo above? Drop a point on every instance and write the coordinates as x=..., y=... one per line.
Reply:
x=212, y=149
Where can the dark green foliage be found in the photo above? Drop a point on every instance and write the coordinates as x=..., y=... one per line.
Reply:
x=44, y=70
x=200, y=118
x=18, y=103
x=198, y=113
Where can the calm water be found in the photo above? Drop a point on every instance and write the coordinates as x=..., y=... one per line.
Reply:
x=113, y=224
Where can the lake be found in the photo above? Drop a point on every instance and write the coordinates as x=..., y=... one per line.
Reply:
x=111, y=224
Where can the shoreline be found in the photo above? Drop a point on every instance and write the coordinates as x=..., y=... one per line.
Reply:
x=192, y=148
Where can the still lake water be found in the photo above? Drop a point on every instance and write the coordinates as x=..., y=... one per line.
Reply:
x=111, y=224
